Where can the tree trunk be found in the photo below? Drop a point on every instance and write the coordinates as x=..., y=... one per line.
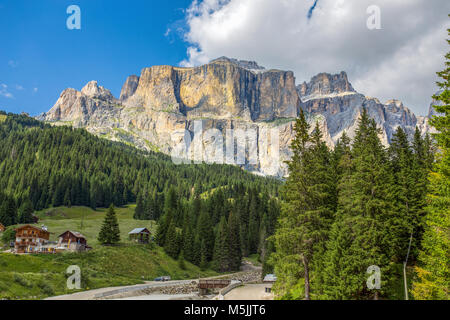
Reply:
x=307, y=289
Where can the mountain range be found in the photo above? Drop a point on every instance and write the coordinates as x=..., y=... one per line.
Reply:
x=160, y=109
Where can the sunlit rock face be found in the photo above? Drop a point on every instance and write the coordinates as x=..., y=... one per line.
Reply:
x=163, y=107
x=222, y=89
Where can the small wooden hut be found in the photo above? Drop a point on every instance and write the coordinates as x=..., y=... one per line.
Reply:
x=72, y=241
x=140, y=235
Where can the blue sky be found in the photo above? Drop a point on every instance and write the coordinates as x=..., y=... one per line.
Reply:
x=40, y=57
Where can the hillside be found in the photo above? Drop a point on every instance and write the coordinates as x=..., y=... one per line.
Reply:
x=88, y=221
x=54, y=166
x=68, y=176
x=40, y=276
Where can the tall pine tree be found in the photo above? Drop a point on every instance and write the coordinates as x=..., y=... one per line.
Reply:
x=306, y=211
x=109, y=232
x=221, y=258
x=434, y=269
x=358, y=238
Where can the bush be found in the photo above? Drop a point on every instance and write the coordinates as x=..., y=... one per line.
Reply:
x=22, y=281
x=9, y=235
x=46, y=288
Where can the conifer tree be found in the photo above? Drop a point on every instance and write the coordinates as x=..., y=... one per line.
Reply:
x=434, y=268
x=206, y=234
x=267, y=267
x=268, y=224
x=341, y=156
x=406, y=195
x=242, y=211
x=307, y=209
x=221, y=258
x=8, y=211
x=26, y=212
x=235, y=243
x=139, y=211
x=171, y=243
x=358, y=238
x=109, y=232
x=253, y=225
x=171, y=203
x=203, y=261
x=188, y=239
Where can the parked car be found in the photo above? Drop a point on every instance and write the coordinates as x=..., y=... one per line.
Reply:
x=163, y=278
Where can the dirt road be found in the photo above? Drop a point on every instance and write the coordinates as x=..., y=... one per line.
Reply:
x=152, y=290
x=249, y=292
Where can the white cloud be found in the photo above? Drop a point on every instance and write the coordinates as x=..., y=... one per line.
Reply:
x=4, y=91
x=398, y=61
x=35, y=90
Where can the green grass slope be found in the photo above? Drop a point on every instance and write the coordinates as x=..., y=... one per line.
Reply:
x=40, y=276
x=88, y=222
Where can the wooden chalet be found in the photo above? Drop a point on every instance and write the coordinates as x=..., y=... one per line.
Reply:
x=31, y=239
x=72, y=241
x=2, y=227
x=140, y=235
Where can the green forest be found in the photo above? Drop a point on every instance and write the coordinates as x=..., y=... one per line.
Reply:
x=362, y=206
x=202, y=209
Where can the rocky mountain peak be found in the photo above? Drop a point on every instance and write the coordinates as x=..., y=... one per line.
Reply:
x=93, y=90
x=129, y=88
x=325, y=84
x=395, y=102
x=249, y=65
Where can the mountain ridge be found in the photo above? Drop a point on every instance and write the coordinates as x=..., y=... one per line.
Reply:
x=158, y=109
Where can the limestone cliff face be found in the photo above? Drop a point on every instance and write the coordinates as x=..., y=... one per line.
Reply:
x=129, y=88
x=222, y=89
x=326, y=84
x=333, y=97
x=161, y=110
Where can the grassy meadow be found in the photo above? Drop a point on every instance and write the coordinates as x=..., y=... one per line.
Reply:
x=88, y=222
x=41, y=276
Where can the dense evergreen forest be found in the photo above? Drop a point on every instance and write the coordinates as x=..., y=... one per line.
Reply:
x=363, y=208
x=350, y=208
x=43, y=166
x=218, y=230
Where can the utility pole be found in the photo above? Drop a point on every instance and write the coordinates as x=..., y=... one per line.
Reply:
x=404, y=268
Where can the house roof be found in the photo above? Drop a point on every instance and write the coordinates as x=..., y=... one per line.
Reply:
x=75, y=233
x=139, y=230
x=30, y=226
x=270, y=278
